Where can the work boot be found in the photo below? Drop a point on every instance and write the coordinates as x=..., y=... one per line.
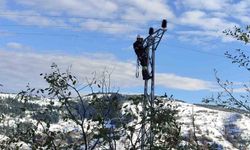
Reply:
x=145, y=74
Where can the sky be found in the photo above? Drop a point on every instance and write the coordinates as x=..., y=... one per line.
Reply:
x=94, y=36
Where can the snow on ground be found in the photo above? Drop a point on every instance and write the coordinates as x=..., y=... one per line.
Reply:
x=218, y=126
x=7, y=95
x=215, y=125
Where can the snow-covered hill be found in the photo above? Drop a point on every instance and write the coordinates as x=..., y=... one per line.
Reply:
x=227, y=129
x=7, y=95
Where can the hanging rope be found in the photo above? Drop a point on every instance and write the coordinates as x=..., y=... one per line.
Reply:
x=137, y=69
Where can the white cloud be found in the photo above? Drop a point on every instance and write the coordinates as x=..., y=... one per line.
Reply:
x=124, y=17
x=211, y=16
x=204, y=27
x=227, y=9
x=198, y=33
x=201, y=37
x=29, y=17
x=204, y=4
x=108, y=27
x=241, y=7
x=245, y=19
x=203, y=21
x=198, y=37
x=108, y=16
x=240, y=90
x=2, y=3
x=145, y=10
x=184, y=83
x=88, y=8
x=18, y=69
x=16, y=46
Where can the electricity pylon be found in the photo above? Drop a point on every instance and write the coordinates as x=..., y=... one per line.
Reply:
x=151, y=43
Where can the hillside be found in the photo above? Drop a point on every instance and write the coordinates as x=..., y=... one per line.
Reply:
x=228, y=129
x=225, y=129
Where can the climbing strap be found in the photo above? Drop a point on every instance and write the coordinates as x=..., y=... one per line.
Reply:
x=137, y=69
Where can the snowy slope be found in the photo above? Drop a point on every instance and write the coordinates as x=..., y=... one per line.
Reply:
x=224, y=128
x=7, y=95
x=218, y=126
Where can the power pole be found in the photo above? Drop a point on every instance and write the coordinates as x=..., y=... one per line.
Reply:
x=151, y=43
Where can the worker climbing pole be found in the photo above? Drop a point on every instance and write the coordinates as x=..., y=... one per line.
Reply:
x=145, y=51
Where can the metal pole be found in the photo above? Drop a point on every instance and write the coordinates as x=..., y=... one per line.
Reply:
x=152, y=89
x=143, y=130
x=152, y=41
x=153, y=75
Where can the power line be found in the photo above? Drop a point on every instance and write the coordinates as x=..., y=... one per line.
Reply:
x=39, y=34
x=203, y=52
x=80, y=35
x=50, y=16
x=90, y=38
x=6, y=33
x=63, y=26
x=131, y=20
x=197, y=51
x=33, y=25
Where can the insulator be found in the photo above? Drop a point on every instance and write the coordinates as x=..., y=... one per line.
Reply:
x=164, y=23
x=151, y=31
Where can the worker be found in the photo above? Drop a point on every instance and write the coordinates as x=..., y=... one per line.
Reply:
x=142, y=56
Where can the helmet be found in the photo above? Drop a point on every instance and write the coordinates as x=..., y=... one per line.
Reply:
x=139, y=38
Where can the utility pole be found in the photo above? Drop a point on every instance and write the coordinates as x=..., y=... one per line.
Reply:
x=150, y=43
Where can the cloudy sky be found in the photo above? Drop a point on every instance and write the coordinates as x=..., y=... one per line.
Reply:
x=97, y=35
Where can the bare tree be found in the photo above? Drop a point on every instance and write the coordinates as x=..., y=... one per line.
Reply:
x=103, y=119
x=228, y=98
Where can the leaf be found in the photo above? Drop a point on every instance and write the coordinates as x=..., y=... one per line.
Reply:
x=88, y=127
x=125, y=106
x=32, y=90
x=70, y=77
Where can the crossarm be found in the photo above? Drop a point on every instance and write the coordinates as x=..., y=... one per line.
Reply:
x=154, y=38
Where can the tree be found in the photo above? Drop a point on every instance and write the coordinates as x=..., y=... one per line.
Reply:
x=90, y=114
x=101, y=119
x=228, y=98
x=164, y=126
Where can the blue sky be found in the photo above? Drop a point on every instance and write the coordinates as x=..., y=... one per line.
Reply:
x=91, y=35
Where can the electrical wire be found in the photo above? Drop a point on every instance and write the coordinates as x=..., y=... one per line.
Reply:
x=91, y=38
x=61, y=26
x=6, y=33
x=72, y=26
x=199, y=51
x=130, y=20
